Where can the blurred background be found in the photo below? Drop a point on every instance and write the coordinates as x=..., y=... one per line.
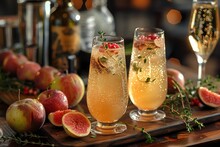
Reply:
x=170, y=15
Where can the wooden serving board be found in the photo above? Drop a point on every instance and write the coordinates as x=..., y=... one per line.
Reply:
x=168, y=125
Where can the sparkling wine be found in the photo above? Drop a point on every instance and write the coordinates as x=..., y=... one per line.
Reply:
x=203, y=31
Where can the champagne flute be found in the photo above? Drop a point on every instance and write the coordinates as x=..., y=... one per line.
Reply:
x=203, y=31
x=147, y=82
x=107, y=96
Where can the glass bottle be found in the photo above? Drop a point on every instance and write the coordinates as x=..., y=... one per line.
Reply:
x=103, y=18
x=87, y=25
x=33, y=24
x=64, y=34
x=87, y=28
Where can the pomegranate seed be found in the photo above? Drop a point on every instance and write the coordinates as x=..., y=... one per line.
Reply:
x=25, y=90
x=35, y=92
x=196, y=102
x=30, y=91
x=152, y=37
x=149, y=37
x=142, y=37
x=113, y=45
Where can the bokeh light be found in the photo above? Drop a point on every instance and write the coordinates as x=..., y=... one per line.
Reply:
x=174, y=16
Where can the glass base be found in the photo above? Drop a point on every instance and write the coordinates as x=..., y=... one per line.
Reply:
x=147, y=116
x=108, y=129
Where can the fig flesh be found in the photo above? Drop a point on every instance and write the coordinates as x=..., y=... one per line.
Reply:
x=208, y=97
x=76, y=124
x=56, y=117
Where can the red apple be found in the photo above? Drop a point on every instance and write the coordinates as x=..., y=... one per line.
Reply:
x=26, y=115
x=174, y=75
x=53, y=100
x=45, y=76
x=72, y=86
x=12, y=61
x=21, y=59
x=3, y=55
x=28, y=70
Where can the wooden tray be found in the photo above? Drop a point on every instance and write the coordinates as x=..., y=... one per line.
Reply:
x=9, y=97
x=168, y=125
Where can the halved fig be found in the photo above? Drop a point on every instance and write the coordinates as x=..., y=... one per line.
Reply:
x=56, y=117
x=76, y=124
x=208, y=97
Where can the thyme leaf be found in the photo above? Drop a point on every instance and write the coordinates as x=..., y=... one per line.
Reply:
x=148, y=80
x=101, y=35
x=24, y=139
x=136, y=68
x=178, y=105
x=103, y=59
x=11, y=83
x=148, y=137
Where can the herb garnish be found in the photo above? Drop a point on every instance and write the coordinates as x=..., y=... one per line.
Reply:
x=12, y=84
x=148, y=137
x=24, y=139
x=105, y=46
x=103, y=59
x=148, y=80
x=138, y=69
x=178, y=104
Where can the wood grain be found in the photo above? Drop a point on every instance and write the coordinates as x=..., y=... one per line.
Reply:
x=168, y=125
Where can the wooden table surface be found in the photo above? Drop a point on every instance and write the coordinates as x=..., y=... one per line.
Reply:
x=209, y=135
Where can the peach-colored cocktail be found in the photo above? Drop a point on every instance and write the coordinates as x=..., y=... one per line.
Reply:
x=107, y=95
x=147, y=76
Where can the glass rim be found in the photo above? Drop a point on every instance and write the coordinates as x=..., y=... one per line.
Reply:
x=206, y=1
x=150, y=29
x=109, y=38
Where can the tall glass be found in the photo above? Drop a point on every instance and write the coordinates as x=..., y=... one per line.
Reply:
x=107, y=96
x=203, y=31
x=147, y=83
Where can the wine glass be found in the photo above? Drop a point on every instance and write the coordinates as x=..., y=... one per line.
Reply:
x=203, y=31
x=107, y=96
x=147, y=82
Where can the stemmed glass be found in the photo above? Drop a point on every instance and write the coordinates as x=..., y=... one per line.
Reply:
x=147, y=82
x=203, y=31
x=107, y=96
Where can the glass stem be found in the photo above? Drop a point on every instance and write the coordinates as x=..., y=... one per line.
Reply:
x=201, y=72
